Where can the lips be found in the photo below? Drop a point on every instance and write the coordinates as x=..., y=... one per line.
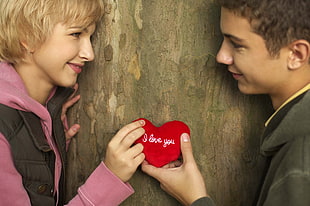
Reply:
x=236, y=75
x=76, y=67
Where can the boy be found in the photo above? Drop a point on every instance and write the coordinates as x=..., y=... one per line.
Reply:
x=44, y=45
x=267, y=49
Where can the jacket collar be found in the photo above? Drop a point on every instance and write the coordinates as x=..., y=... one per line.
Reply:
x=291, y=121
x=306, y=88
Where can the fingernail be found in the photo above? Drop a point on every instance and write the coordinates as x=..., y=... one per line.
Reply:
x=185, y=137
x=142, y=122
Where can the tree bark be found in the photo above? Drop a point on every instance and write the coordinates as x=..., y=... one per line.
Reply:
x=156, y=59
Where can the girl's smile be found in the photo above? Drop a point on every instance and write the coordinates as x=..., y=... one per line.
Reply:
x=58, y=61
x=76, y=67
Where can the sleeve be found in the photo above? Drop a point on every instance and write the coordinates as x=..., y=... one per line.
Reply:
x=12, y=191
x=291, y=190
x=204, y=201
x=102, y=188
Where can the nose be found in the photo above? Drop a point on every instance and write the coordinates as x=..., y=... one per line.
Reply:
x=86, y=50
x=224, y=55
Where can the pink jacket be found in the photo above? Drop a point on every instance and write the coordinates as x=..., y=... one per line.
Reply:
x=101, y=188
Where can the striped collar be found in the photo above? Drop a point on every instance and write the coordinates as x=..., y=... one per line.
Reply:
x=306, y=88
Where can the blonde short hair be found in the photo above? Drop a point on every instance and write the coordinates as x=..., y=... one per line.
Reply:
x=32, y=21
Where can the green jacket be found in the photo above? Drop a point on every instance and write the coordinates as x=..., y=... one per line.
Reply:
x=286, y=143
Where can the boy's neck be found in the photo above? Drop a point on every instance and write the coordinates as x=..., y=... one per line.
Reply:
x=296, y=80
x=289, y=90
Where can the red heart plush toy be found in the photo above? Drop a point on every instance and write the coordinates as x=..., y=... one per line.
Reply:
x=162, y=144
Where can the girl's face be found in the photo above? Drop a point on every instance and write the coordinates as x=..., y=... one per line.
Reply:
x=59, y=60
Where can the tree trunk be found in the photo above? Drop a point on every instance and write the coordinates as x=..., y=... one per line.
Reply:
x=156, y=59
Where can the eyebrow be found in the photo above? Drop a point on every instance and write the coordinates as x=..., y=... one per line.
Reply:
x=79, y=27
x=233, y=37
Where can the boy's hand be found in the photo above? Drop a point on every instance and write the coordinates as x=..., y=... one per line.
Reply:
x=122, y=158
x=70, y=132
x=182, y=181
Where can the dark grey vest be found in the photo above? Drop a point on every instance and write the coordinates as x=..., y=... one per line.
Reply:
x=33, y=158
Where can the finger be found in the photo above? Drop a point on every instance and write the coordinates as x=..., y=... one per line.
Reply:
x=139, y=159
x=75, y=87
x=173, y=164
x=70, y=102
x=135, y=150
x=72, y=131
x=152, y=170
x=186, y=148
x=129, y=140
x=158, y=173
x=122, y=133
x=136, y=153
x=73, y=96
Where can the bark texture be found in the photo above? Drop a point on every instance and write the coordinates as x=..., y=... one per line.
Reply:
x=156, y=59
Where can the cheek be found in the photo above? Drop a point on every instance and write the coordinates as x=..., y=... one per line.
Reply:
x=242, y=61
x=65, y=47
x=247, y=60
x=69, y=49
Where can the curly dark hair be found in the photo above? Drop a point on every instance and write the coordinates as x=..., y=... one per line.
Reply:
x=278, y=22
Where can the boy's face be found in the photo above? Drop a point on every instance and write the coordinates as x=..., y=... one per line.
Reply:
x=59, y=60
x=248, y=59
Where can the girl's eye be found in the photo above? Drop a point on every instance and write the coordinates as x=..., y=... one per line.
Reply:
x=76, y=34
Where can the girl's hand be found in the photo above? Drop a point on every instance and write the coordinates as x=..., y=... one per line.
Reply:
x=122, y=158
x=70, y=132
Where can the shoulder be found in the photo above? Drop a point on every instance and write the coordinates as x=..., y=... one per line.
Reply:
x=298, y=153
x=295, y=163
x=291, y=174
x=5, y=111
x=10, y=120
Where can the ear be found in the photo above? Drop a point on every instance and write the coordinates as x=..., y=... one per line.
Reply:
x=299, y=54
x=27, y=47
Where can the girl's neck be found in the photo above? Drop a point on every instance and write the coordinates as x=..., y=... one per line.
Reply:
x=36, y=88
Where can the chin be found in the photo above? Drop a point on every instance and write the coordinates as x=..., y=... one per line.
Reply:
x=247, y=90
x=69, y=84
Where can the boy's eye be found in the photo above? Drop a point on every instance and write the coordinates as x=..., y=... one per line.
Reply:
x=235, y=45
